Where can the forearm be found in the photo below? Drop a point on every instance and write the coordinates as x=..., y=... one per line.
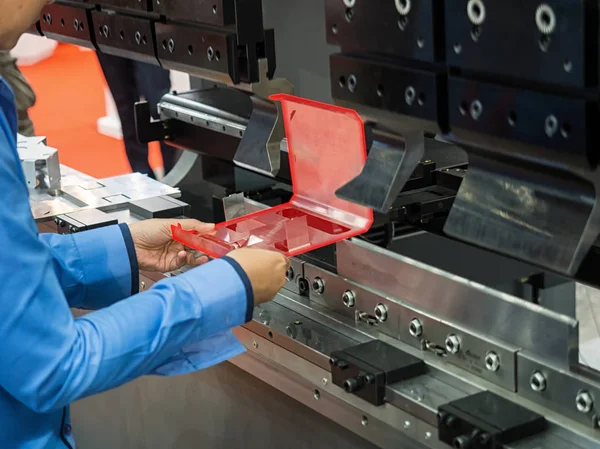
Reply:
x=107, y=348
x=95, y=268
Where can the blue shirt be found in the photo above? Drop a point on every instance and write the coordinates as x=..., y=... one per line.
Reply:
x=48, y=359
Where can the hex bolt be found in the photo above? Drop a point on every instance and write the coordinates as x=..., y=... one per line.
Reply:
x=452, y=344
x=584, y=402
x=289, y=275
x=537, y=382
x=142, y=285
x=349, y=298
x=318, y=286
x=415, y=328
x=492, y=361
x=381, y=312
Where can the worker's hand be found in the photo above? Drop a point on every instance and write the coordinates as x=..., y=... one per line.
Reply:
x=266, y=270
x=157, y=251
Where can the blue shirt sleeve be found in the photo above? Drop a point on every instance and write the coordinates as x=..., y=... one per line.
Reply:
x=52, y=359
x=95, y=268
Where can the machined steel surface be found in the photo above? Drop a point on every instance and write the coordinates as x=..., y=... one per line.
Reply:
x=80, y=191
x=548, y=334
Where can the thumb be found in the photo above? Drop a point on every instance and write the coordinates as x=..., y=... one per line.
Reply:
x=190, y=224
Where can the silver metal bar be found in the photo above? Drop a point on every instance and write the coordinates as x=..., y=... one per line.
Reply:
x=547, y=334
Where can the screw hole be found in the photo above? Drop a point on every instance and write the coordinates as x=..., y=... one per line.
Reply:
x=420, y=42
x=463, y=107
x=224, y=128
x=349, y=15
x=144, y=40
x=565, y=130
x=122, y=34
x=81, y=27
x=403, y=23
x=334, y=29
x=218, y=55
x=215, y=9
x=568, y=65
x=190, y=50
x=210, y=53
x=164, y=44
x=270, y=334
x=512, y=118
x=475, y=33
x=379, y=90
x=62, y=23
x=544, y=43
x=342, y=81
x=352, y=83
x=317, y=394
x=207, y=123
x=421, y=99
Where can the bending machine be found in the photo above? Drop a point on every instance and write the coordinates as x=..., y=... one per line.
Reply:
x=452, y=321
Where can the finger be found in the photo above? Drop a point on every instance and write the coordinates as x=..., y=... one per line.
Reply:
x=195, y=225
x=194, y=259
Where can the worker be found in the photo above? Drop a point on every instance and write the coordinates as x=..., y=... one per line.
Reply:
x=129, y=80
x=24, y=95
x=48, y=359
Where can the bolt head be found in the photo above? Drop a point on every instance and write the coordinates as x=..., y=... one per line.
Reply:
x=492, y=361
x=415, y=328
x=584, y=401
x=537, y=382
x=318, y=286
x=452, y=344
x=381, y=312
x=349, y=298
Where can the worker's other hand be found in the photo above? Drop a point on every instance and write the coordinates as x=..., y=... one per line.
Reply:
x=265, y=269
x=157, y=251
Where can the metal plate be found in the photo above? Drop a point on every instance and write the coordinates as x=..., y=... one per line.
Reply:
x=376, y=26
x=124, y=36
x=482, y=309
x=67, y=24
x=135, y=5
x=474, y=348
x=535, y=118
x=508, y=41
x=391, y=87
x=216, y=12
x=205, y=53
x=562, y=389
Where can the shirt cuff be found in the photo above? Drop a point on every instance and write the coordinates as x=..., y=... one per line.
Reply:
x=247, y=285
x=222, y=295
x=133, y=262
x=106, y=265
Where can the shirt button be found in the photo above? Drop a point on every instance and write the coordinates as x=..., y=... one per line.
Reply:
x=67, y=429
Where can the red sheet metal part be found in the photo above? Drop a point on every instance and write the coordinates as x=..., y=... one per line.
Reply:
x=327, y=149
